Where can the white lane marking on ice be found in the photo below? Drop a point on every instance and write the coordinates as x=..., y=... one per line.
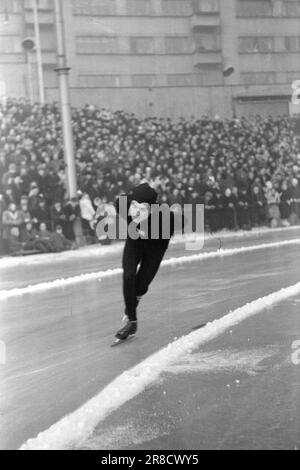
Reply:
x=75, y=428
x=224, y=360
x=43, y=286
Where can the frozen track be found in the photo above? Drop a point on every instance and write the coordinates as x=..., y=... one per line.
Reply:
x=58, y=353
x=239, y=391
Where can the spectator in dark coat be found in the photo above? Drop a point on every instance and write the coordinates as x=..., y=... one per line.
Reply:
x=53, y=187
x=72, y=213
x=14, y=244
x=10, y=218
x=285, y=207
x=257, y=207
x=33, y=196
x=41, y=213
x=58, y=215
x=44, y=239
x=218, y=202
x=229, y=202
x=243, y=209
x=294, y=201
x=210, y=216
x=59, y=242
x=29, y=237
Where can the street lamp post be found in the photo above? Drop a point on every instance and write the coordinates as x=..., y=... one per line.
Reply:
x=28, y=46
x=63, y=75
x=38, y=52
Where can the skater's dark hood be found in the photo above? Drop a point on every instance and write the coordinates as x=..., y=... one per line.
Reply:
x=144, y=193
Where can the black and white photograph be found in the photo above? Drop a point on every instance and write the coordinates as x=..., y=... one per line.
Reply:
x=149, y=228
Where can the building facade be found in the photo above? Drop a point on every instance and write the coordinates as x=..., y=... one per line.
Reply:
x=160, y=57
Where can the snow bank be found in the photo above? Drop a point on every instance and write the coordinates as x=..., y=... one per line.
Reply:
x=64, y=282
x=47, y=258
x=74, y=429
x=171, y=262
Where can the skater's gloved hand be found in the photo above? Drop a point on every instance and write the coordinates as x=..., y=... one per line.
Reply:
x=139, y=211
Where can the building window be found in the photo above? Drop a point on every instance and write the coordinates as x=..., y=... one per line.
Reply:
x=11, y=6
x=98, y=81
x=138, y=7
x=292, y=44
x=207, y=42
x=254, y=8
x=182, y=79
x=206, y=6
x=260, y=78
x=143, y=81
x=177, y=45
x=141, y=45
x=42, y=4
x=210, y=76
x=256, y=45
x=291, y=8
x=94, y=7
x=176, y=7
x=96, y=45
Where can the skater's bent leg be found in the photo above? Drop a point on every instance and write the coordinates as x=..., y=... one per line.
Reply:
x=131, y=259
x=150, y=264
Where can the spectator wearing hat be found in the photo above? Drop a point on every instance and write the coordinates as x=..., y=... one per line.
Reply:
x=58, y=216
x=257, y=207
x=294, y=201
x=219, y=209
x=41, y=213
x=10, y=218
x=229, y=202
x=285, y=207
x=44, y=239
x=243, y=209
x=210, y=217
x=29, y=237
x=273, y=201
x=9, y=176
x=72, y=213
x=8, y=196
x=52, y=186
x=33, y=196
x=14, y=243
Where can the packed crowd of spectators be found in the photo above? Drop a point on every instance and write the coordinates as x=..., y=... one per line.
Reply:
x=246, y=171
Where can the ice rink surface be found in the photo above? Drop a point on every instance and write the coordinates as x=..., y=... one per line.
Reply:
x=240, y=390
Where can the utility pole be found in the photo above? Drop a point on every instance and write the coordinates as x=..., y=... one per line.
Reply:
x=63, y=75
x=30, y=77
x=39, y=60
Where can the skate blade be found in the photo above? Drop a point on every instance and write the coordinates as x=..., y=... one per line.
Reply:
x=118, y=341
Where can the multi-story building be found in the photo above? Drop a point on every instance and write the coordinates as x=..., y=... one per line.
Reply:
x=161, y=57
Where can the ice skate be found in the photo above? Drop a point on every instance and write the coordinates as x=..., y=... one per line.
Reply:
x=125, y=333
x=125, y=317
